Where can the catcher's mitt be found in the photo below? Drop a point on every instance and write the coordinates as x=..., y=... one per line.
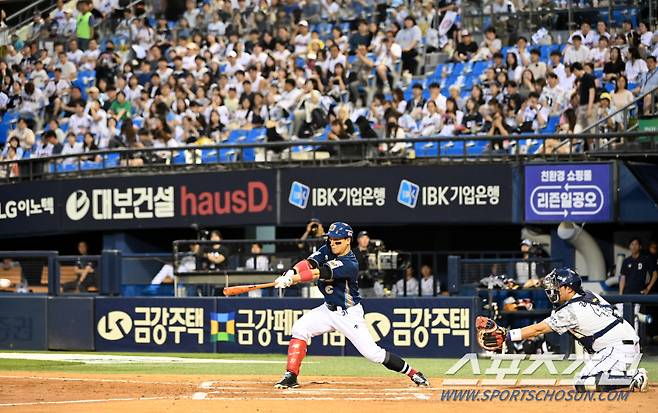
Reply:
x=490, y=336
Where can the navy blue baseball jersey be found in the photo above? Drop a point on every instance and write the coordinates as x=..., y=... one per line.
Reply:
x=343, y=288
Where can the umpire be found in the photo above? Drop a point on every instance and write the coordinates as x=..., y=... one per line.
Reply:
x=361, y=251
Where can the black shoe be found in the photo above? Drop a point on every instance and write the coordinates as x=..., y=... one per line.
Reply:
x=420, y=380
x=289, y=381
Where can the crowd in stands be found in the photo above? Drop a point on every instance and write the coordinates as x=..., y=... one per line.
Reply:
x=99, y=77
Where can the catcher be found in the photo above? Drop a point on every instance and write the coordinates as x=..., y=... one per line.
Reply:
x=591, y=320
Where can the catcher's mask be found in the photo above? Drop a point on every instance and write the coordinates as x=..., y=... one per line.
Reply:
x=552, y=288
x=560, y=277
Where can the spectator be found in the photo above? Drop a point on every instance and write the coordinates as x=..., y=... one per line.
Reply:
x=71, y=147
x=466, y=49
x=85, y=23
x=411, y=287
x=614, y=65
x=621, y=98
x=216, y=255
x=553, y=96
x=489, y=46
x=187, y=264
x=588, y=37
x=587, y=96
x=85, y=272
x=576, y=53
x=427, y=282
x=537, y=68
x=636, y=67
x=409, y=38
x=258, y=262
x=647, y=83
x=635, y=271
x=527, y=267
x=24, y=134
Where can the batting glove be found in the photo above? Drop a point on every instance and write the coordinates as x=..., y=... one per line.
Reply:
x=285, y=280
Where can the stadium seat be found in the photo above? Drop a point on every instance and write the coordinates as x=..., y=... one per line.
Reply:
x=179, y=158
x=426, y=149
x=112, y=160
x=552, y=124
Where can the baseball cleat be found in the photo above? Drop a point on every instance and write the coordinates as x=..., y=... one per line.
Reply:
x=289, y=381
x=640, y=381
x=420, y=380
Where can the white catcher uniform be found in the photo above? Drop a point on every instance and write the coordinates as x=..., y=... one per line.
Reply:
x=592, y=321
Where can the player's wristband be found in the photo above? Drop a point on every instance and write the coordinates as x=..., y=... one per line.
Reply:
x=304, y=271
x=514, y=335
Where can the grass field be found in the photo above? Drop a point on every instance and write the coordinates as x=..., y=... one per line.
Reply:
x=313, y=366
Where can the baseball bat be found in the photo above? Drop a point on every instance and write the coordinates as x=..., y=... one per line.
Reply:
x=241, y=289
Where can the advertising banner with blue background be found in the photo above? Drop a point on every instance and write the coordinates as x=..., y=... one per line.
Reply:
x=568, y=192
x=154, y=324
x=398, y=194
x=412, y=327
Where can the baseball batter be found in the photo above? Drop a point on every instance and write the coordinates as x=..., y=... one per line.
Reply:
x=591, y=320
x=336, y=270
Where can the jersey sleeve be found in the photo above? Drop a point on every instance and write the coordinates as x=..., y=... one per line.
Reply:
x=319, y=257
x=342, y=268
x=562, y=320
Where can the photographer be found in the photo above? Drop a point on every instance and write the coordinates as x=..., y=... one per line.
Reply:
x=216, y=255
x=314, y=230
x=361, y=251
x=529, y=267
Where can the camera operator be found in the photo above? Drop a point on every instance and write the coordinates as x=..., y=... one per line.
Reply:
x=216, y=255
x=361, y=251
x=314, y=230
x=530, y=268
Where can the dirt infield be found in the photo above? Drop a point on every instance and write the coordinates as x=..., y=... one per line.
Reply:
x=71, y=393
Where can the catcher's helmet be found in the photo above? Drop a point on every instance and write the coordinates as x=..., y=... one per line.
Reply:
x=560, y=277
x=339, y=230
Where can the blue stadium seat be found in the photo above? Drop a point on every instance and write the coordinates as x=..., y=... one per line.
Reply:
x=4, y=132
x=257, y=135
x=551, y=124
x=112, y=160
x=237, y=136
x=452, y=148
x=179, y=158
x=426, y=149
x=89, y=165
x=476, y=147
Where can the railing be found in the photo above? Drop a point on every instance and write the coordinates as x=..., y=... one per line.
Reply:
x=625, y=114
x=533, y=17
x=312, y=152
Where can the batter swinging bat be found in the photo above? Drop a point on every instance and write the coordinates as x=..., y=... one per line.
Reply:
x=241, y=289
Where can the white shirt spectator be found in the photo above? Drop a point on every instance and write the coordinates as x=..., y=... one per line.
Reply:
x=33, y=103
x=412, y=288
x=634, y=70
x=573, y=55
x=301, y=43
x=556, y=98
x=589, y=40
x=79, y=124
x=406, y=37
x=69, y=70
x=427, y=286
x=68, y=149
x=218, y=28
x=39, y=78
x=567, y=82
x=330, y=63
x=75, y=56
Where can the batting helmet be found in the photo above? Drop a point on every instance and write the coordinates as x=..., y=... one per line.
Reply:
x=339, y=230
x=561, y=277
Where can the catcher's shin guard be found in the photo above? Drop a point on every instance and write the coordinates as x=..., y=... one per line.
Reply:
x=296, y=353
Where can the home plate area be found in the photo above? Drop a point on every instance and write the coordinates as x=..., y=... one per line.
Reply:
x=316, y=388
